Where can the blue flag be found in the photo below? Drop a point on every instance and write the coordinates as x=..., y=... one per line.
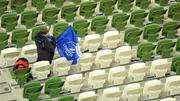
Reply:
x=67, y=45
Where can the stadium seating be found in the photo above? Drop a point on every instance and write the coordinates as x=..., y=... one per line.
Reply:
x=4, y=40
x=39, y=4
x=57, y=3
x=66, y=98
x=143, y=3
x=18, y=5
x=59, y=28
x=107, y=6
x=175, y=64
x=3, y=6
x=112, y=93
x=162, y=2
x=125, y=5
x=174, y=11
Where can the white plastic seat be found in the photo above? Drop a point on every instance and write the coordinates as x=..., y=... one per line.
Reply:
x=87, y=96
x=160, y=67
x=92, y=42
x=41, y=69
x=123, y=55
x=137, y=71
x=152, y=89
x=104, y=58
x=168, y=99
x=9, y=56
x=97, y=78
x=131, y=92
x=74, y=83
x=172, y=85
x=117, y=75
x=111, y=39
x=86, y=61
x=29, y=52
x=61, y=66
x=111, y=94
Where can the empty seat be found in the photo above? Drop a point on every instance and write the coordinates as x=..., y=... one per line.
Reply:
x=170, y=29
x=99, y=24
x=87, y=96
x=20, y=37
x=68, y=11
x=175, y=66
x=53, y=86
x=123, y=55
x=29, y=18
x=117, y=75
x=9, y=56
x=162, y=2
x=160, y=67
x=138, y=17
x=61, y=66
x=174, y=11
x=145, y=51
x=119, y=20
x=156, y=14
x=4, y=40
x=58, y=28
x=178, y=45
x=87, y=9
x=168, y=99
x=111, y=94
x=92, y=42
x=111, y=39
x=58, y=3
x=85, y=61
x=41, y=69
x=74, y=83
x=152, y=89
x=97, y=78
x=104, y=58
x=29, y=52
x=172, y=85
x=18, y=5
x=107, y=6
x=66, y=98
x=9, y=21
x=76, y=1
x=131, y=92
x=3, y=6
x=125, y=5
x=50, y=15
x=165, y=48
x=132, y=36
x=81, y=27
x=143, y=3
x=137, y=71
x=39, y=4
x=151, y=32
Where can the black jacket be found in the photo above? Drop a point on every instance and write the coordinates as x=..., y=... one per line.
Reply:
x=45, y=48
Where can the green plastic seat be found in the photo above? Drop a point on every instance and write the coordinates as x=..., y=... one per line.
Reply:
x=170, y=29
x=29, y=18
x=125, y=5
x=35, y=30
x=4, y=40
x=107, y=6
x=151, y=32
x=69, y=11
x=3, y=6
x=59, y=28
x=32, y=90
x=162, y=2
x=46, y=100
x=81, y=27
x=21, y=76
x=119, y=21
x=178, y=45
x=76, y=1
x=9, y=21
x=39, y=4
x=20, y=37
x=87, y=9
x=132, y=36
x=175, y=65
x=165, y=48
x=138, y=17
x=143, y=3
x=58, y=3
x=145, y=51
x=18, y=5
x=66, y=98
x=174, y=11
x=50, y=15
x=53, y=86
x=156, y=14
x=99, y=23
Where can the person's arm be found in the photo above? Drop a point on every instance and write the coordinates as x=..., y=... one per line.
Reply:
x=49, y=46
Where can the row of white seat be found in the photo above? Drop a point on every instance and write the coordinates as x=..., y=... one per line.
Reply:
x=133, y=92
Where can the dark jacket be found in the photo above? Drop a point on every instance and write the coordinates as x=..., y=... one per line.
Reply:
x=45, y=48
